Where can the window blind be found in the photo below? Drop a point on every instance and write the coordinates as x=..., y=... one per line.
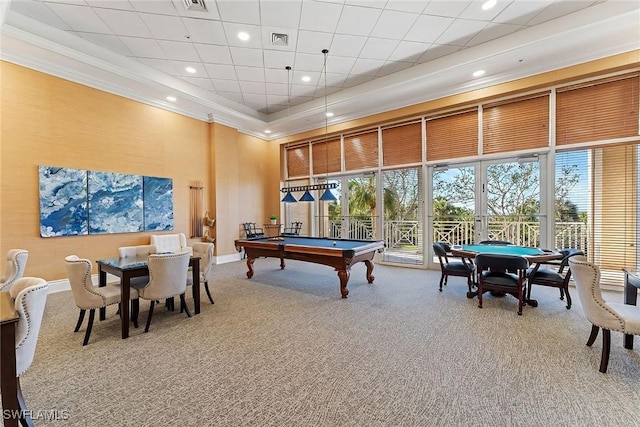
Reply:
x=326, y=156
x=452, y=136
x=297, y=161
x=361, y=150
x=402, y=144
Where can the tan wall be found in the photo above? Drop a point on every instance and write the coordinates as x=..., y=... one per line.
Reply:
x=50, y=121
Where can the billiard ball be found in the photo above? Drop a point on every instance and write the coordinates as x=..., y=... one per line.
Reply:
x=334, y=243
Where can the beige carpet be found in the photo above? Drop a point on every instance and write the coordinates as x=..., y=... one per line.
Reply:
x=283, y=349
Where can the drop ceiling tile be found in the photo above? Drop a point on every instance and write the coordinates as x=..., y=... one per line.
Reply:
x=493, y=31
x=309, y=62
x=560, y=8
x=409, y=51
x=475, y=11
x=124, y=23
x=460, y=32
x=205, y=31
x=214, y=54
x=252, y=74
x=277, y=89
x=246, y=56
x=301, y=90
x=181, y=69
x=221, y=71
x=232, y=29
x=277, y=99
x=276, y=75
x=437, y=51
x=428, y=28
x=284, y=13
x=278, y=59
x=391, y=67
x=111, y=42
x=252, y=88
x=393, y=24
x=313, y=41
x=346, y=45
x=111, y=4
x=378, y=48
x=446, y=8
x=256, y=98
x=204, y=83
x=179, y=51
x=159, y=64
x=340, y=64
x=320, y=16
x=357, y=80
x=40, y=12
x=247, y=11
x=315, y=78
x=157, y=7
x=165, y=27
x=233, y=96
x=377, y=4
x=226, y=85
x=80, y=18
x=521, y=11
x=358, y=21
x=366, y=66
x=406, y=5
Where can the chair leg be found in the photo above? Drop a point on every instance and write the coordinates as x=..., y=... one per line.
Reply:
x=25, y=416
x=566, y=291
x=135, y=310
x=206, y=288
x=521, y=294
x=153, y=303
x=606, y=346
x=480, y=295
x=593, y=336
x=441, y=281
x=92, y=314
x=183, y=305
x=80, y=319
x=562, y=293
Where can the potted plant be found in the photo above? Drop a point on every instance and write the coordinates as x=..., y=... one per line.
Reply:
x=273, y=218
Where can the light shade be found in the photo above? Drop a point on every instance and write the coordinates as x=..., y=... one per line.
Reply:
x=288, y=198
x=328, y=196
x=306, y=197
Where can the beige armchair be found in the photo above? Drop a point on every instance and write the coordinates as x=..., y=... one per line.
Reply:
x=602, y=314
x=136, y=253
x=16, y=263
x=87, y=296
x=167, y=278
x=205, y=252
x=170, y=243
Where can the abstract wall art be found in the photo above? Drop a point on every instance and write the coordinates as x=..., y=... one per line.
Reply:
x=115, y=203
x=63, y=201
x=158, y=203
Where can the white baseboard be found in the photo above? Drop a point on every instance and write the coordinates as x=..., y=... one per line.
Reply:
x=227, y=258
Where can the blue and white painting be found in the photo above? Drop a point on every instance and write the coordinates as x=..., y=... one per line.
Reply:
x=158, y=203
x=115, y=203
x=63, y=201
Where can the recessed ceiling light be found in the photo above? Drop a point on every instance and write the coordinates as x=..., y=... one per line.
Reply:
x=267, y=131
x=478, y=73
x=306, y=78
x=243, y=36
x=190, y=70
x=488, y=4
x=171, y=98
x=329, y=114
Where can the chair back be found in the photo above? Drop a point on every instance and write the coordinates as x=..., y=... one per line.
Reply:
x=30, y=297
x=16, y=263
x=167, y=275
x=205, y=252
x=440, y=252
x=586, y=276
x=251, y=231
x=136, y=252
x=170, y=243
x=501, y=262
x=84, y=292
x=495, y=242
x=567, y=253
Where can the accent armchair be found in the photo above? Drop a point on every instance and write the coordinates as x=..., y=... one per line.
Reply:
x=602, y=314
x=494, y=275
x=170, y=243
x=462, y=268
x=555, y=279
x=16, y=263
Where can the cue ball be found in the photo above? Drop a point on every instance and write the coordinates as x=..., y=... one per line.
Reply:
x=334, y=243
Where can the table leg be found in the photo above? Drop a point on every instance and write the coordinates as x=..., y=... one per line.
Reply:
x=630, y=297
x=344, y=279
x=250, y=267
x=282, y=264
x=195, y=270
x=125, y=292
x=9, y=380
x=102, y=282
x=370, y=265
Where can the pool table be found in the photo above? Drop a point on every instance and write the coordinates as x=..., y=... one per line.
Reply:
x=340, y=254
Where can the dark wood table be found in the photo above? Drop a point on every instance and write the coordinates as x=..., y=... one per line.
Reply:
x=631, y=285
x=12, y=403
x=340, y=254
x=128, y=268
x=535, y=256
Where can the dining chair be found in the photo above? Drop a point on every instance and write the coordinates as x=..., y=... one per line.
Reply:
x=87, y=296
x=294, y=230
x=134, y=253
x=30, y=296
x=462, y=268
x=495, y=242
x=167, y=278
x=205, y=252
x=609, y=316
x=559, y=278
x=251, y=231
x=16, y=264
x=502, y=273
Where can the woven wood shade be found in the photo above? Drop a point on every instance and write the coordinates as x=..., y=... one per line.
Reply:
x=326, y=157
x=452, y=136
x=298, y=161
x=361, y=151
x=402, y=144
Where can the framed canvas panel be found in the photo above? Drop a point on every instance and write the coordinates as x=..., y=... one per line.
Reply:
x=158, y=203
x=63, y=201
x=115, y=203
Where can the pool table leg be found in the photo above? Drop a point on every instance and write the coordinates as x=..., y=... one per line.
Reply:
x=370, y=265
x=250, y=266
x=344, y=279
x=282, y=264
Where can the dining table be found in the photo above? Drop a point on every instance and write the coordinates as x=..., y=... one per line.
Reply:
x=535, y=256
x=131, y=267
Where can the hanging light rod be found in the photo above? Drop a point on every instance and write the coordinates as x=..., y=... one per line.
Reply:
x=327, y=186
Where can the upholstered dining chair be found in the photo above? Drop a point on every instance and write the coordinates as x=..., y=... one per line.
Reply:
x=16, y=263
x=87, y=296
x=495, y=274
x=609, y=316
x=462, y=268
x=205, y=252
x=30, y=296
x=554, y=278
x=167, y=278
x=136, y=253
